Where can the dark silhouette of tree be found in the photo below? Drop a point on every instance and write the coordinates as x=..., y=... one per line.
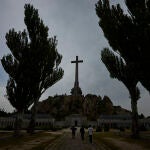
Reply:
x=128, y=34
x=140, y=15
x=124, y=73
x=17, y=89
x=3, y=113
x=141, y=116
x=33, y=64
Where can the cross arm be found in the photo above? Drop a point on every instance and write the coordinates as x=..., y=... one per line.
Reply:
x=79, y=61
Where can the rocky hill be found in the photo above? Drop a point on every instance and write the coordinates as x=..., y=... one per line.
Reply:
x=90, y=105
x=120, y=110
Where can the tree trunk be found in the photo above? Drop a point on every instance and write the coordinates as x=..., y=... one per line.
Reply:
x=32, y=123
x=134, y=99
x=18, y=123
x=135, y=128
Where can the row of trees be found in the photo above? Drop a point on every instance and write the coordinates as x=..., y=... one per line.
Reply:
x=33, y=63
x=129, y=37
x=32, y=66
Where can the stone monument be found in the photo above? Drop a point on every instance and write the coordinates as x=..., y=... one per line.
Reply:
x=76, y=90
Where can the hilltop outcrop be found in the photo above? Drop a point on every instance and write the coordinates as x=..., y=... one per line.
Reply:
x=91, y=106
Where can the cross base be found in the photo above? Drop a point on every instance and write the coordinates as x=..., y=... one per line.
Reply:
x=76, y=91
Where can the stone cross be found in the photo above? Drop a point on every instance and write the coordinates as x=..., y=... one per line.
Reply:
x=76, y=84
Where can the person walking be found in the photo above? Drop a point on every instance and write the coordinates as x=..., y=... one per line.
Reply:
x=82, y=131
x=90, y=132
x=73, y=129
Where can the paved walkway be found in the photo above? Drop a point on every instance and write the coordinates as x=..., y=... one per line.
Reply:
x=66, y=142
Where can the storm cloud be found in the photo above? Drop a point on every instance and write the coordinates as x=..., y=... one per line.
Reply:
x=75, y=24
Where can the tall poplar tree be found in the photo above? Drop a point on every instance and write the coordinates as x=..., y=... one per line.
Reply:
x=128, y=34
x=33, y=65
x=120, y=70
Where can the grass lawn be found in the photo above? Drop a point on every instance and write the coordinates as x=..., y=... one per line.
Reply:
x=102, y=137
x=143, y=141
x=39, y=140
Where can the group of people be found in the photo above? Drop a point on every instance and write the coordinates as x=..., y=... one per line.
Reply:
x=82, y=132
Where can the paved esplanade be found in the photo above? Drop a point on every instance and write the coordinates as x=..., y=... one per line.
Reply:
x=65, y=142
x=76, y=90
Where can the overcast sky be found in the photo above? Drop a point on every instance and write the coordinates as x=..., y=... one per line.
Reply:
x=75, y=24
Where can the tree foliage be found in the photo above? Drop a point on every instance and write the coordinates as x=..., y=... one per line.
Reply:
x=121, y=30
x=128, y=34
x=119, y=69
x=33, y=63
x=124, y=72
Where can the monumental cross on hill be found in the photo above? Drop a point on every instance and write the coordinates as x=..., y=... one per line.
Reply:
x=76, y=90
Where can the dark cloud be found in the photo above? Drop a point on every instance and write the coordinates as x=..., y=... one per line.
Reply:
x=75, y=24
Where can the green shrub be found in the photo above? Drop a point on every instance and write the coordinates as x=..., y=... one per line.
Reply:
x=106, y=128
x=99, y=129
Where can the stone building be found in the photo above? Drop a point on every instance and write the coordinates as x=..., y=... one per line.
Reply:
x=76, y=120
x=43, y=121
x=115, y=121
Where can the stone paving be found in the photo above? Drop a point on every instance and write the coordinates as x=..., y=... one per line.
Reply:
x=66, y=142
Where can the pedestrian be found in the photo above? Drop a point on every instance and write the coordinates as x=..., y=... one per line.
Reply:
x=73, y=129
x=82, y=131
x=90, y=132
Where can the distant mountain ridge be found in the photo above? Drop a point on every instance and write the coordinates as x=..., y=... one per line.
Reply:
x=91, y=106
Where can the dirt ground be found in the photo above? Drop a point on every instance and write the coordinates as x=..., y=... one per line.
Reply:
x=65, y=142
x=126, y=146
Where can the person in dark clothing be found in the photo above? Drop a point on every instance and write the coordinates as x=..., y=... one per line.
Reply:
x=73, y=129
x=82, y=131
